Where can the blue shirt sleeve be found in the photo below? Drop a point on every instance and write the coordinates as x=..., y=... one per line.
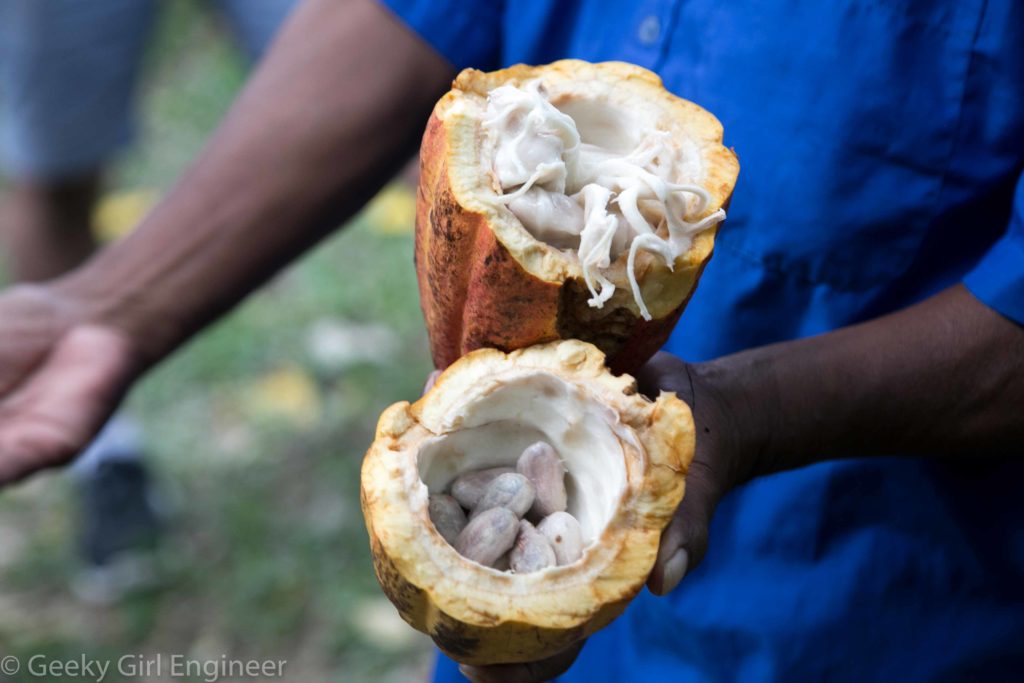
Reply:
x=998, y=279
x=466, y=33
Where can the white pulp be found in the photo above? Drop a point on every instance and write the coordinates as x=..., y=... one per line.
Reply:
x=495, y=427
x=577, y=195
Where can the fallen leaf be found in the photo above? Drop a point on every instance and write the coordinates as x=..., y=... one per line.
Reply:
x=393, y=210
x=289, y=394
x=118, y=213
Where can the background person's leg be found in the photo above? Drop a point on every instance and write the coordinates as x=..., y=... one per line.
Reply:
x=45, y=225
x=67, y=78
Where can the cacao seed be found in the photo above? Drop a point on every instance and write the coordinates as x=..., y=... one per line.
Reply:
x=532, y=552
x=541, y=465
x=488, y=536
x=469, y=487
x=447, y=516
x=565, y=536
x=510, y=490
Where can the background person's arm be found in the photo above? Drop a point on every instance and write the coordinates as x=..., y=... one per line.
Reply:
x=335, y=108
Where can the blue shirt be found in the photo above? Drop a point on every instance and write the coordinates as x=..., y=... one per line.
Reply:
x=881, y=146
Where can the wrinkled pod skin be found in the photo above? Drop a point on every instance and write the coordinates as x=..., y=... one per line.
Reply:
x=477, y=288
x=479, y=614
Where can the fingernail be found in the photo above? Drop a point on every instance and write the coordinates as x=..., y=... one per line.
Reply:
x=470, y=672
x=675, y=570
x=431, y=380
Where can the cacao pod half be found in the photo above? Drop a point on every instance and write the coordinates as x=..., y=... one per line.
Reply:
x=625, y=457
x=602, y=145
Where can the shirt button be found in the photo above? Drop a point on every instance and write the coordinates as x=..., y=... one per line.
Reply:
x=649, y=30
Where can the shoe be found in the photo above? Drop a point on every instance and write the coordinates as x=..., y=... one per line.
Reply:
x=120, y=529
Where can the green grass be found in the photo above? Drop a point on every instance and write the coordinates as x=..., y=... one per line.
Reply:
x=266, y=555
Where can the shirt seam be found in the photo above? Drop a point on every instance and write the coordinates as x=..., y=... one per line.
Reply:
x=958, y=132
x=668, y=34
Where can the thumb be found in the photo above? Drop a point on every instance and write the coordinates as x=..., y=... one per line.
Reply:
x=431, y=380
x=58, y=409
x=685, y=540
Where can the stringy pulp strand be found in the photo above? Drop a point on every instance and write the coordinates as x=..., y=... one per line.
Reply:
x=525, y=123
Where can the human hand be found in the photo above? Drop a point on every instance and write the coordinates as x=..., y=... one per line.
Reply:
x=527, y=672
x=431, y=379
x=60, y=379
x=716, y=467
x=718, y=464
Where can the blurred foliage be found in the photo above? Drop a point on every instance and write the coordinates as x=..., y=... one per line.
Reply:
x=255, y=431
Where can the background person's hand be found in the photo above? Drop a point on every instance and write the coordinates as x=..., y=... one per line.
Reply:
x=60, y=379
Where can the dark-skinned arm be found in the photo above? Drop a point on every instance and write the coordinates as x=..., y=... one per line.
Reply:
x=944, y=378
x=335, y=108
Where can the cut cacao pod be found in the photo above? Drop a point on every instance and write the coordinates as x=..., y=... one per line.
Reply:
x=625, y=459
x=566, y=201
